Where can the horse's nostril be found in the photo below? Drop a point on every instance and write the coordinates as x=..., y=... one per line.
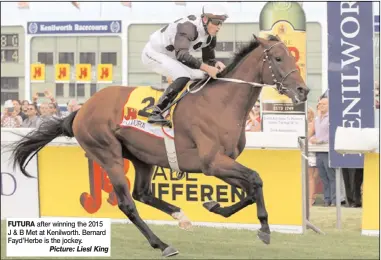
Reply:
x=302, y=90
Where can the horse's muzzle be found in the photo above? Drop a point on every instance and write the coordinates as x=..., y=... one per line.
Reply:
x=302, y=93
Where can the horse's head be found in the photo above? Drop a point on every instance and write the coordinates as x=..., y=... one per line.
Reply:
x=279, y=68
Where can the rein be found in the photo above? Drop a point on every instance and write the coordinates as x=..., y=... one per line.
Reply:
x=277, y=85
x=253, y=84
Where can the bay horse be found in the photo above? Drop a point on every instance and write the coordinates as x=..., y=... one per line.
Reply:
x=209, y=135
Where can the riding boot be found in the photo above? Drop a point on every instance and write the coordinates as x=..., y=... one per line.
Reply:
x=167, y=98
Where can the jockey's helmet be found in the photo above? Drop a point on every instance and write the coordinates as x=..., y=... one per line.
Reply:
x=214, y=11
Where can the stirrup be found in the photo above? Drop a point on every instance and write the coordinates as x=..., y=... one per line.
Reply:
x=155, y=111
x=160, y=121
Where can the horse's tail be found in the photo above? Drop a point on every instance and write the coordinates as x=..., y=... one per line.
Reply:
x=34, y=141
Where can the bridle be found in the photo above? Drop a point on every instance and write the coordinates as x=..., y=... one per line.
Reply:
x=278, y=85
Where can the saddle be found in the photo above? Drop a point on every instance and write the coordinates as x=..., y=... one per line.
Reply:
x=138, y=108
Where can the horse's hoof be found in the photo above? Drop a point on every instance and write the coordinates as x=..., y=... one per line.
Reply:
x=184, y=222
x=210, y=205
x=186, y=225
x=169, y=251
x=265, y=237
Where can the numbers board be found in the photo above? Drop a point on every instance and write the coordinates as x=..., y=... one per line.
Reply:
x=12, y=62
x=12, y=42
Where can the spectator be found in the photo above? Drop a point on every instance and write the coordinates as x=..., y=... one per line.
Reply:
x=53, y=111
x=44, y=110
x=320, y=135
x=53, y=105
x=24, y=106
x=34, y=102
x=47, y=95
x=72, y=105
x=17, y=108
x=377, y=104
x=33, y=120
x=10, y=118
x=377, y=94
x=253, y=122
x=324, y=95
x=353, y=179
x=249, y=123
x=312, y=170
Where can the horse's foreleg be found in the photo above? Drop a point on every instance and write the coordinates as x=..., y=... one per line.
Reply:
x=142, y=192
x=222, y=166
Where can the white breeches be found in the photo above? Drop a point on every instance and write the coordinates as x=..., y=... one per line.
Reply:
x=168, y=66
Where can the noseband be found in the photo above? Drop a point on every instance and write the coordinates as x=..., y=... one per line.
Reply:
x=279, y=85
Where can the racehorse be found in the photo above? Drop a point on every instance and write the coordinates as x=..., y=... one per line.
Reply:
x=209, y=135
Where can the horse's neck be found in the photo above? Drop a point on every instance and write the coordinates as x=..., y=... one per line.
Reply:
x=243, y=96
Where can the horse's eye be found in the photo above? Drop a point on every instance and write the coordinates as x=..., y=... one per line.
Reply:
x=278, y=59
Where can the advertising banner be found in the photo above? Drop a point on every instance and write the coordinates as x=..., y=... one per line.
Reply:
x=83, y=189
x=78, y=27
x=370, y=197
x=350, y=73
x=62, y=73
x=37, y=73
x=286, y=20
x=19, y=194
x=83, y=73
x=104, y=74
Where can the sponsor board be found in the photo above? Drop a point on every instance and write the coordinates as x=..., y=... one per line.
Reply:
x=82, y=189
x=371, y=200
x=19, y=194
x=286, y=20
x=350, y=74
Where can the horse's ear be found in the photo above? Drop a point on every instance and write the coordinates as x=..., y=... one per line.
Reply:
x=257, y=39
x=279, y=39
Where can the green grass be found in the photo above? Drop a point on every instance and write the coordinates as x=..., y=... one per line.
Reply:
x=218, y=243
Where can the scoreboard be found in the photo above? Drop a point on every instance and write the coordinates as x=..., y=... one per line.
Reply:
x=9, y=47
x=229, y=39
x=12, y=62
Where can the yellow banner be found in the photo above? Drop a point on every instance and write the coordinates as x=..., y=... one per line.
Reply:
x=371, y=190
x=62, y=73
x=83, y=73
x=104, y=74
x=83, y=189
x=37, y=72
x=296, y=43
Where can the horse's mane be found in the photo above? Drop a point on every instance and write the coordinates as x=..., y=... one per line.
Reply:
x=242, y=52
x=240, y=55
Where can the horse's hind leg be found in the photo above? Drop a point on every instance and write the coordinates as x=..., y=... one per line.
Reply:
x=108, y=153
x=142, y=192
x=226, y=212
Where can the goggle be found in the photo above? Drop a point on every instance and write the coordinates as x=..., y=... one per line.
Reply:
x=216, y=21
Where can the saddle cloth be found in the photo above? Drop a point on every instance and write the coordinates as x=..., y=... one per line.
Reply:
x=137, y=110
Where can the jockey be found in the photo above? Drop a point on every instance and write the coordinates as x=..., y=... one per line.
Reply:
x=168, y=53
